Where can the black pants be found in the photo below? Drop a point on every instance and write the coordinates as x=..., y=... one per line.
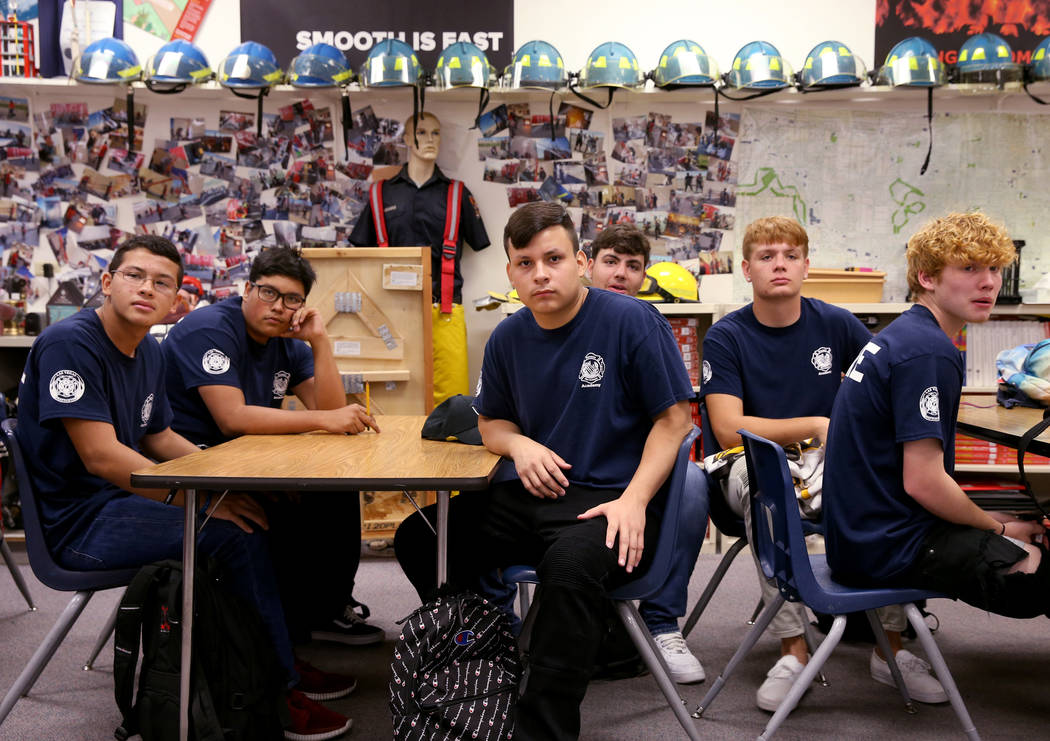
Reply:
x=315, y=540
x=972, y=565
x=505, y=526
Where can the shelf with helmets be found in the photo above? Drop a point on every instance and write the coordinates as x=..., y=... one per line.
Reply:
x=830, y=75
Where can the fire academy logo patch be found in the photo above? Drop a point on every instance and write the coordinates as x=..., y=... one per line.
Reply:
x=280, y=384
x=66, y=386
x=930, y=405
x=215, y=362
x=147, y=410
x=821, y=360
x=592, y=371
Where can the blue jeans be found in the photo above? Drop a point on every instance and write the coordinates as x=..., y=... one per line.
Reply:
x=134, y=531
x=661, y=613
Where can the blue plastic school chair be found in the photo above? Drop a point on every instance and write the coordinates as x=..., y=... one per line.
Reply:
x=685, y=477
x=5, y=549
x=730, y=524
x=83, y=583
x=776, y=532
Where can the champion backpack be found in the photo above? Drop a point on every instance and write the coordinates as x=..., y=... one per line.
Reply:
x=236, y=687
x=455, y=672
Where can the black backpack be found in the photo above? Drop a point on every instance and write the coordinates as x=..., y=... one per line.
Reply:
x=236, y=692
x=455, y=672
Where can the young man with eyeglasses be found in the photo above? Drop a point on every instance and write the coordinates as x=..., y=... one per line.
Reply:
x=92, y=409
x=229, y=367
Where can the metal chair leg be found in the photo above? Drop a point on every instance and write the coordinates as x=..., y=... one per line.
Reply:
x=749, y=640
x=43, y=654
x=643, y=641
x=16, y=573
x=103, y=638
x=884, y=647
x=811, y=641
x=805, y=679
x=940, y=668
x=757, y=612
x=712, y=584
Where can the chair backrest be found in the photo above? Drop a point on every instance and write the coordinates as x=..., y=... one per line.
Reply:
x=44, y=566
x=776, y=526
x=687, y=478
x=725, y=519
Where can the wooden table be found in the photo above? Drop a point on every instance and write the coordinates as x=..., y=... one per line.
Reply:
x=397, y=458
x=981, y=417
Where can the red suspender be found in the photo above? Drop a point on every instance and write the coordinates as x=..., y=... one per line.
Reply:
x=375, y=198
x=450, y=235
x=448, y=249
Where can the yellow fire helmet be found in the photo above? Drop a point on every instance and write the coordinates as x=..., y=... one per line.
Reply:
x=668, y=282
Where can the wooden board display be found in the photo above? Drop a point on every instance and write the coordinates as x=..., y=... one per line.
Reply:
x=384, y=341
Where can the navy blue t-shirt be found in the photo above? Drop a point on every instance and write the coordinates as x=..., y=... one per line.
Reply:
x=211, y=347
x=588, y=390
x=75, y=371
x=904, y=386
x=781, y=372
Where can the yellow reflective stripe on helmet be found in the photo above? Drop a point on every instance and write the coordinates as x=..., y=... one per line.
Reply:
x=1040, y=54
x=130, y=71
x=339, y=76
x=273, y=76
x=524, y=61
x=663, y=60
x=599, y=62
x=544, y=61
x=774, y=63
x=978, y=53
x=844, y=52
x=454, y=63
x=199, y=73
x=1002, y=51
x=560, y=64
x=399, y=64
x=625, y=63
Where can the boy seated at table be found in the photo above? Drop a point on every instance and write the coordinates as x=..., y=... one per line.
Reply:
x=92, y=409
x=229, y=367
x=585, y=394
x=619, y=257
x=895, y=516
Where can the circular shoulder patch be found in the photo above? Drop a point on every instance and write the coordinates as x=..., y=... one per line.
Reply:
x=930, y=405
x=706, y=371
x=66, y=386
x=215, y=362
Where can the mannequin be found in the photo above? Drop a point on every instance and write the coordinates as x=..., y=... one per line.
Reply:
x=414, y=205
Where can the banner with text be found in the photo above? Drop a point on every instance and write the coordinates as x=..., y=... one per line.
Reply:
x=289, y=27
x=1022, y=23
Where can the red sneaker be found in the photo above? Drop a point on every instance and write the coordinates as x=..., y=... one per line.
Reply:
x=312, y=721
x=321, y=685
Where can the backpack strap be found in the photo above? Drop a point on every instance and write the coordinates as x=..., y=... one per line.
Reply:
x=126, y=643
x=1022, y=447
x=375, y=200
x=448, y=247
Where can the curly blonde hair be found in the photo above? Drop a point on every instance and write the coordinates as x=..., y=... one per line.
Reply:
x=957, y=239
x=774, y=230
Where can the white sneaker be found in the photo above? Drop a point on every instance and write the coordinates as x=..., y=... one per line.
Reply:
x=778, y=683
x=685, y=668
x=918, y=677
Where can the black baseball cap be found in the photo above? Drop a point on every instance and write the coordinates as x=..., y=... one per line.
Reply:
x=454, y=420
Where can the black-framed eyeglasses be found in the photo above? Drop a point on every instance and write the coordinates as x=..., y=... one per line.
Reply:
x=137, y=278
x=269, y=294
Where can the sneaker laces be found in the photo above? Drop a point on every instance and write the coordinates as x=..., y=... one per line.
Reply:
x=672, y=643
x=352, y=616
x=914, y=664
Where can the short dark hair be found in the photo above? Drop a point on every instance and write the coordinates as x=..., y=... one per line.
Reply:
x=623, y=239
x=286, y=261
x=151, y=243
x=531, y=219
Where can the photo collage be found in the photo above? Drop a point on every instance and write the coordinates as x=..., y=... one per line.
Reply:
x=208, y=190
x=674, y=180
